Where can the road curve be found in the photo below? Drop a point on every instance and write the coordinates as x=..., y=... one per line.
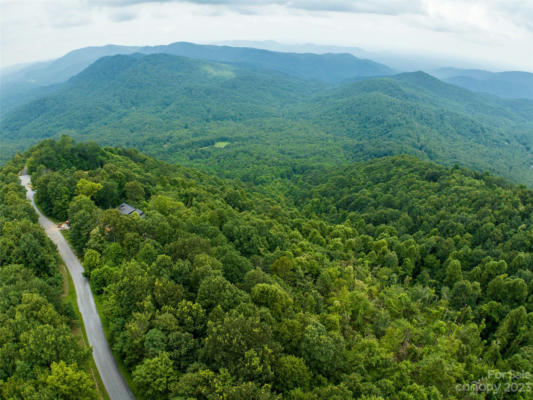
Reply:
x=114, y=382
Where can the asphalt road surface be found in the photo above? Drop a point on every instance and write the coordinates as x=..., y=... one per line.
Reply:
x=114, y=382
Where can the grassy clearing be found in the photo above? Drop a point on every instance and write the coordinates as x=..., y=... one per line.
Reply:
x=219, y=71
x=221, y=145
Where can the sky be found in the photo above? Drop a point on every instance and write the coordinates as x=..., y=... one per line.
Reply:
x=493, y=33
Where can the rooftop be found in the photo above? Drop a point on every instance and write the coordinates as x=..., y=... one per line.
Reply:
x=126, y=209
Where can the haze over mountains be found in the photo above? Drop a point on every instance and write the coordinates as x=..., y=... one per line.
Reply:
x=510, y=84
x=398, y=60
x=286, y=109
x=20, y=85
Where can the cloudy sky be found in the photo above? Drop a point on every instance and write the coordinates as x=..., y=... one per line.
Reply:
x=494, y=33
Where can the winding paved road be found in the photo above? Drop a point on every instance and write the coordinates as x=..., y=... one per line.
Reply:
x=114, y=382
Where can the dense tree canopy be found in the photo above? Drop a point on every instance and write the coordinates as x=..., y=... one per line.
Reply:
x=40, y=358
x=390, y=279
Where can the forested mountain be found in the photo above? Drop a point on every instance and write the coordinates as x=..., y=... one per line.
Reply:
x=258, y=125
x=42, y=355
x=322, y=67
x=327, y=67
x=415, y=113
x=509, y=84
x=21, y=85
x=63, y=68
x=387, y=279
x=29, y=82
x=14, y=94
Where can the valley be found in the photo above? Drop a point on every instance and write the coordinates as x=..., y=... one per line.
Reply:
x=177, y=108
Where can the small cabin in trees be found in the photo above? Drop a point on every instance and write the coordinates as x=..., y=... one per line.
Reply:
x=126, y=209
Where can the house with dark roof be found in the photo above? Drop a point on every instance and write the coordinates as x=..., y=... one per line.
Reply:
x=126, y=209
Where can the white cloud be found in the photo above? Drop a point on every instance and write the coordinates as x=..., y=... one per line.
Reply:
x=388, y=7
x=492, y=31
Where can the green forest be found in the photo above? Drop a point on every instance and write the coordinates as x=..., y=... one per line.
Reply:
x=41, y=357
x=392, y=278
x=178, y=109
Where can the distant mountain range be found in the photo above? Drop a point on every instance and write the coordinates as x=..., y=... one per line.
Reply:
x=61, y=69
x=330, y=67
x=20, y=84
x=511, y=84
x=221, y=116
x=397, y=60
x=299, y=48
x=17, y=86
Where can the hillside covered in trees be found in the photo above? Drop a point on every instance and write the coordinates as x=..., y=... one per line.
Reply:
x=27, y=82
x=256, y=124
x=41, y=357
x=392, y=278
